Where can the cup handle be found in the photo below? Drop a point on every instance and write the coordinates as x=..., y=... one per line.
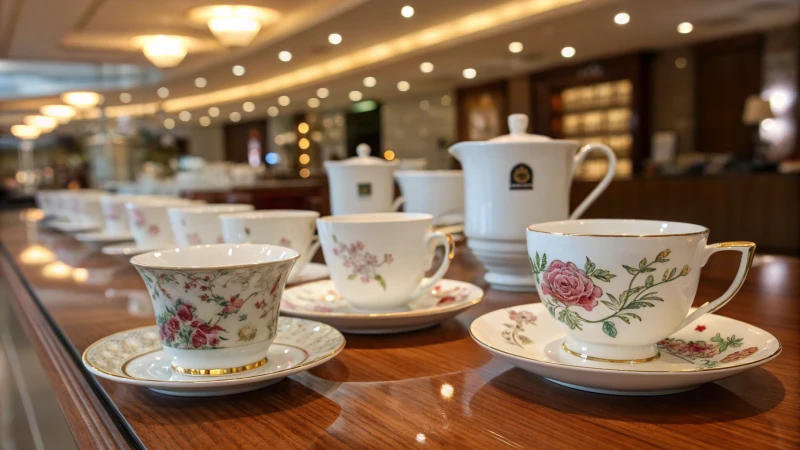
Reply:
x=449, y=249
x=312, y=249
x=398, y=202
x=612, y=165
x=748, y=250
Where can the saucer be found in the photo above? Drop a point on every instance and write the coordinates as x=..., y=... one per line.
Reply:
x=126, y=249
x=320, y=301
x=709, y=349
x=70, y=227
x=135, y=357
x=103, y=236
x=311, y=272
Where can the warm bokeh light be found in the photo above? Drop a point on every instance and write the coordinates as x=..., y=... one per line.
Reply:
x=515, y=47
x=305, y=173
x=302, y=127
x=685, y=28
x=370, y=82
x=622, y=18
x=304, y=158
x=285, y=56
x=248, y=106
x=200, y=82
x=446, y=101
x=235, y=116
x=125, y=97
x=45, y=124
x=25, y=131
x=164, y=51
x=205, y=121
x=323, y=92
x=313, y=102
x=185, y=116
x=284, y=100
x=355, y=96
x=238, y=70
x=389, y=155
x=273, y=111
x=213, y=111
x=169, y=123
x=80, y=275
x=234, y=25
x=57, y=270
x=82, y=99
x=407, y=11
x=303, y=143
x=335, y=38
x=469, y=73
x=163, y=92
x=403, y=86
x=62, y=113
x=36, y=254
x=426, y=67
x=568, y=52
x=447, y=390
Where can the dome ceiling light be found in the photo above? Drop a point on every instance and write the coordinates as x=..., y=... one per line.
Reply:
x=45, y=124
x=62, y=113
x=234, y=25
x=82, y=99
x=164, y=51
x=25, y=132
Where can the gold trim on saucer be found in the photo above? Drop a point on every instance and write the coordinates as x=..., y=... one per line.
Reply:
x=616, y=361
x=218, y=372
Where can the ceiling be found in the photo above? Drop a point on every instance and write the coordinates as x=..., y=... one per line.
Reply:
x=377, y=41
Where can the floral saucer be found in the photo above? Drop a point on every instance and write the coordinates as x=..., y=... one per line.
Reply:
x=311, y=272
x=126, y=249
x=103, y=236
x=709, y=349
x=320, y=301
x=135, y=357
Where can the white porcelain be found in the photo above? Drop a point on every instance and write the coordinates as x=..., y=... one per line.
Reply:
x=48, y=201
x=619, y=286
x=73, y=227
x=516, y=180
x=195, y=225
x=378, y=261
x=103, y=237
x=527, y=337
x=136, y=357
x=149, y=222
x=115, y=218
x=69, y=201
x=362, y=184
x=287, y=228
x=312, y=272
x=439, y=193
x=126, y=249
x=90, y=212
x=216, y=305
x=320, y=301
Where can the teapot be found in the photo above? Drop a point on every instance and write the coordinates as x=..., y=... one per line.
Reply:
x=517, y=180
x=362, y=184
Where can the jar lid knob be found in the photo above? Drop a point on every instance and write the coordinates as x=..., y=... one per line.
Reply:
x=364, y=150
x=518, y=123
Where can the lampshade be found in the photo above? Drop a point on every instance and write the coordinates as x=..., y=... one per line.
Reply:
x=45, y=124
x=82, y=99
x=25, y=131
x=756, y=109
x=234, y=25
x=62, y=113
x=163, y=50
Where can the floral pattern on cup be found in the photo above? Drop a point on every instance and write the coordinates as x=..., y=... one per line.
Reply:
x=285, y=242
x=362, y=264
x=564, y=286
x=513, y=332
x=702, y=351
x=193, y=239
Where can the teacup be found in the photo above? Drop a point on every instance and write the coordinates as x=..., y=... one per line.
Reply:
x=90, y=213
x=216, y=306
x=436, y=192
x=287, y=228
x=378, y=261
x=149, y=222
x=200, y=225
x=70, y=204
x=617, y=287
x=115, y=218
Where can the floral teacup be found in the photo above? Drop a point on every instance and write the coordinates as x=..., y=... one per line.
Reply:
x=618, y=287
x=200, y=225
x=216, y=306
x=378, y=261
x=149, y=223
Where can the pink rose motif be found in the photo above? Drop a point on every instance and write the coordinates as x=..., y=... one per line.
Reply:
x=236, y=302
x=198, y=338
x=741, y=354
x=285, y=242
x=522, y=316
x=173, y=325
x=185, y=312
x=153, y=230
x=138, y=218
x=213, y=340
x=570, y=285
x=193, y=239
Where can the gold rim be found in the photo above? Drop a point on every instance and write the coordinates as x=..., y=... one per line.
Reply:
x=696, y=233
x=615, y=361
x=218, y=372
x=212, y=268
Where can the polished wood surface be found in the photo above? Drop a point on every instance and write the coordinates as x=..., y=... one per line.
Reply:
x=434, y=388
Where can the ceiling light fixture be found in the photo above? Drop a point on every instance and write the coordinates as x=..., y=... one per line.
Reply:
x=162, y=50
x=238, y=70
x=205, y=121
x=25, y=132
x=407, y=11
x=515, y=47
x=82, y=99
x=185, y=116
x=213, y=111
x=169, y=123
x=323, y=92
x=622, y=18
x=44, y=124
x=125, y=97
x=234, y=25
x=370, y=81
x=469, y=73
x=313, y=102
x=200, y=82
x=685, y=28
x=249, y=106
x=335, y=38
x=235, y=116
x=426, y=67
x=163, y=92
x=272, y=111
x=285, y=56
x=284, y=100
x=403, y=86
x=567, y=52
x=62, y=113
x=355, y=96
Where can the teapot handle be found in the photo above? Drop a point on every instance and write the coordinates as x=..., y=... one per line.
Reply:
x=398, y=202
x=612, y=165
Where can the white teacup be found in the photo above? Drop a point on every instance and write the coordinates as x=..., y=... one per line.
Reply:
x=149, y=222
x=378, y=261
x=90, y=213
x=287, y=228
x=216, y=306
x=115, y=217
x=439, y=193
x=70, y=203
x=617, y=287
x=200, y=225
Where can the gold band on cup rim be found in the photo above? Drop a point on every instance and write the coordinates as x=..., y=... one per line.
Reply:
x=218, y=372
x=616, y=361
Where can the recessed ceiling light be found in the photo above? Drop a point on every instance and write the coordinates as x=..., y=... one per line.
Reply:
x=681, y=62
x=407, y=11
x=304, y=158
x=403, y=86
x=426, y=67
x=370, y=81
x=335, y=38
x=323, y=92
x=685, y=28
x=515, y=47
x=205, y=121
x=163, y=92
x=185, y=116
x=303, y=143
x=235, y=116
x=355, y=96
x=272, y=111
x=303, y=128
x=200, y=82
x=622, y=18
x=285, y=56
x=567, y=52
x=248, y=106
x=446, y=100
x=469, y=73
x=238, y=70
x=213, y=111
x=284, y=100
x=169, y=123
x=125, y=97
x=424, y=105
x=313, y=102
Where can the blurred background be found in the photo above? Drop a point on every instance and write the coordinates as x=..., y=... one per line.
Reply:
x=245, y=103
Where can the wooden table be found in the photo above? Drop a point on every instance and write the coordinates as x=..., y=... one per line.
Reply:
x=432, y=388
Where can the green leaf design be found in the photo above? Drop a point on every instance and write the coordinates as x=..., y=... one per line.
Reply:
x=552, y=310
x=631, y=270
x=717, y=338
x=648, y=269
x=533, y=266
x=335, y=241
x=625, y=319
x=672, y=273
x=609, y=305
x=603, y=275
x=589, y=266
x=242, y=317
x=570, y=318
x=380, y=280
x=666, y=275
x=642, y=263
x=649, y=281
x=524, y=339
x=635, y=316
x=610, y=329
x=352, y=276
x=538, y=261
x=544, y=262
x=614, y=299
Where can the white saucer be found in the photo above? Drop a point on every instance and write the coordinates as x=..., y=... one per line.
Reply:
x=529, y=338
x=103, y=236
x=126, y=249
x=311, y=272
x=70, y=227
x=135, y=357
x=320, y=301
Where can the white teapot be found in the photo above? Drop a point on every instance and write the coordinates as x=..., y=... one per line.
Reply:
x=514, y=181
x=362, y=184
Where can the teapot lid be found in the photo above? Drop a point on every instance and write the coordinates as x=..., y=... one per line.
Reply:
x=518, y=124
x=363, y=158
